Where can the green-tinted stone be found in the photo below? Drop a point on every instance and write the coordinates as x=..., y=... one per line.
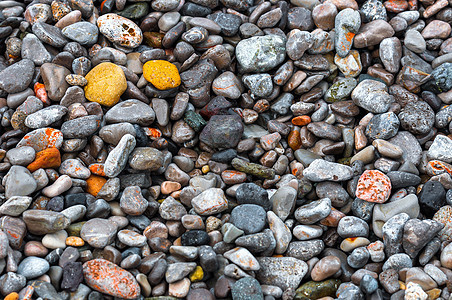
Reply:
x=314, y=290
x=74, y=229
x=304, y=187
x=135, y=11
x=194, y=120
x=345, y=161
x=340, y=90
x=253, y=169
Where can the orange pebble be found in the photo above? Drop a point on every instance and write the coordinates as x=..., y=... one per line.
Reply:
x=47, y=158
x=41, y=93
x=301, y=120
x=94, y=184
x=294, y=140
x=333, y=218
x=152, y=133
x=97, y=169
x=75, y=241
x=12, y=296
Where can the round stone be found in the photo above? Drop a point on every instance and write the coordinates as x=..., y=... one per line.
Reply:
x=162, y=74
x=373, y=186
x=106, y=83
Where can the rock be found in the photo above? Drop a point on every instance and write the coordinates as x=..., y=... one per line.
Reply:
x=131, y=111
x=321, y=170
x=222, y=131
x=314, y=211
x=347, y=24
x=98, y=232
x=120, y=30
x=242, y=258
x=84, y=33
x=250, y=218
x=32, y=267
x=260, y=53
x=106, y=277
x=284, y=272
x=210, y=202
x=440, y=149
x=373, y=186
x=106, y=83
x=372, y=96
x=417, y=117
x=373, y=33
x=250, y=193
x=117, y=158
x=19, y=182
x=34, y=50
x=383, y=126
x=247, y=288
x=383, y=212
x=318, y=289
x=305, y=250
x=17, y=77
x=417, y=233
x=162, y=74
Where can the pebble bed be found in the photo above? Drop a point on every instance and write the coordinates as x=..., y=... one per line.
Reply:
x=225, y=149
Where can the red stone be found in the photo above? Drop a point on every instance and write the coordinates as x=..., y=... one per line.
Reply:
x=373, y=186
x=106, y=277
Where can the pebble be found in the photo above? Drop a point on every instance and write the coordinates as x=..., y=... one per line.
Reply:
x=120, y=30
x=321, y=170
x=210, y=202
x=108, y=278
x=260, y=53
x=372, y=95
x=32, y=267
x=102, y=89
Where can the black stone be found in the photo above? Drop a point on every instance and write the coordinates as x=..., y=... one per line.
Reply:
x=140, y=222
x=432, y=197
x=74, y=199
x=403, y=179
x=225, y=156
x=195, y=238
x=72, y=276
x=140, y=137
x=251, y=193
x=222, y=131
x=195, y=10
x=55, y=204
x=208, y=259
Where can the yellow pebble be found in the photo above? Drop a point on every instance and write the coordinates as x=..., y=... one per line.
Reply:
x=12, y=296
x=106, y=83
x=160, y=201
x=433, y=294
x=162, y=74
x=74, y=241
x=197, y=274
x=402, y=285
x=205, y=169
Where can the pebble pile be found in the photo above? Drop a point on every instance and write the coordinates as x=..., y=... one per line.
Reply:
x=226, y=149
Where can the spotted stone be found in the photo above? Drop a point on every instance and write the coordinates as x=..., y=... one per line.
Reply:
x=373, y=186
x=106, y=277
